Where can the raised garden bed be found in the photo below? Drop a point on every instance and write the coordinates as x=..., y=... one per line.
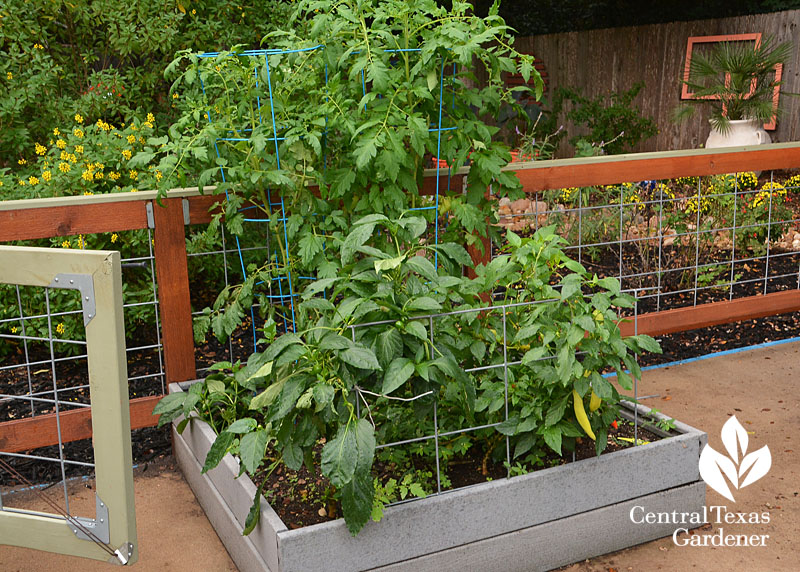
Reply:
x=537, y=521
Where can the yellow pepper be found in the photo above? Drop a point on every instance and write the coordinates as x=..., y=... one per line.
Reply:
x=595, y=402
x=580, y=414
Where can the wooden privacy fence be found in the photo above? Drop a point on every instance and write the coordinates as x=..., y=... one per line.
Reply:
x=46, y=218
x=614, y=59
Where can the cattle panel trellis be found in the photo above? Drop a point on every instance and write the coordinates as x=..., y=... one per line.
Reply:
x=43, y=218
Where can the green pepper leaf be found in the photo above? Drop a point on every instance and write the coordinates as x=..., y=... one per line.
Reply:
x=252, y=448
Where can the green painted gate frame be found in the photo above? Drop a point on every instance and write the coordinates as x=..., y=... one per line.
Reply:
x=105, y=338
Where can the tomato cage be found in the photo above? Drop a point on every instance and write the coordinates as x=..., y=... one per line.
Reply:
x=254, y=134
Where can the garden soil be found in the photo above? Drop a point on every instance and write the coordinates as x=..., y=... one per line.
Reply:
x=761, y=387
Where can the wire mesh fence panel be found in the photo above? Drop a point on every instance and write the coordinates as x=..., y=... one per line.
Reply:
x=435, y=439
x=89, y=331
x=28, y=315
x=692, y=240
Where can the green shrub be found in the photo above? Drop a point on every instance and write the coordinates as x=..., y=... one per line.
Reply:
x=104, y=59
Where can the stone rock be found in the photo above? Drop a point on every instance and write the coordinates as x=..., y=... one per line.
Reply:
x=504, y=202
x=521, y=206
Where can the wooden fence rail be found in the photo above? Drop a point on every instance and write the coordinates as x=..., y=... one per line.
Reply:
x=46, y=218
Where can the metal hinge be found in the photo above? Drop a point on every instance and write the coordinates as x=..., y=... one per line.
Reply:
x=82, y=283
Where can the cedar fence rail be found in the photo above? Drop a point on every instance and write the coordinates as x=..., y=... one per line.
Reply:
x=66, y=216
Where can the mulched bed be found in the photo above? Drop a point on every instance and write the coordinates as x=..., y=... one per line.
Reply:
x=302, y=498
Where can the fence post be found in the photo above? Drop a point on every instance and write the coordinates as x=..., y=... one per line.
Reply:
x=172, y=274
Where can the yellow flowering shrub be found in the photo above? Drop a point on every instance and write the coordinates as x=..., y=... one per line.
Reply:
x=98, y=154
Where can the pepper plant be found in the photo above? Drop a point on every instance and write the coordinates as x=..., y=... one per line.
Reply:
x=366, y=332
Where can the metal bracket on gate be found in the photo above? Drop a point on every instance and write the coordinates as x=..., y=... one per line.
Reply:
x=97, y=526
x=186, y=218
x=151, y=221
x=82, y=283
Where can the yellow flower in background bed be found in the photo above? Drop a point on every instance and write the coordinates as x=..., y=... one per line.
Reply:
x=150, y=118
x=114, y=237
x=692, y=181
x=568, y=193
x=65, y=244
x=793, y=181
x=33, y=180
x=98, y=175
x=60, y=328
x=81, y=242
x=692, y=205
x=131, y=139
x=662, y=191
x=79, y=149
x=87, y=176
x=22, y=183
x=47, y=175
x=88, y=193
x=61, y=144
x=40, y=149
x=9, y=76
x=77, y=133
x=38, y=46
x=776, y=188
x=21, y=161
x=113, y=175
x=158, y=175
x=78, y=118
x=126, y=153
x=747, y=180
x=133, y=174
x=64, y=167
x=56, y=131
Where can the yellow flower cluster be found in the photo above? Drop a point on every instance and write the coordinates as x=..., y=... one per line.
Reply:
x=77, y=133
x=769, y=189
x=78, y=118
x=47, y=176
x=662, y=191
x=40, y=149
x=113, y=175
x=126, y=153
x=568, y=193
x=747, y=180
x=60, y=329
x=61, y=144
x=38, y=46
x=9, y=76
x=103, y=125
x=691, y=181
x=793, y=181
x=131, y=139
x=693, y=205
x=79, y=149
